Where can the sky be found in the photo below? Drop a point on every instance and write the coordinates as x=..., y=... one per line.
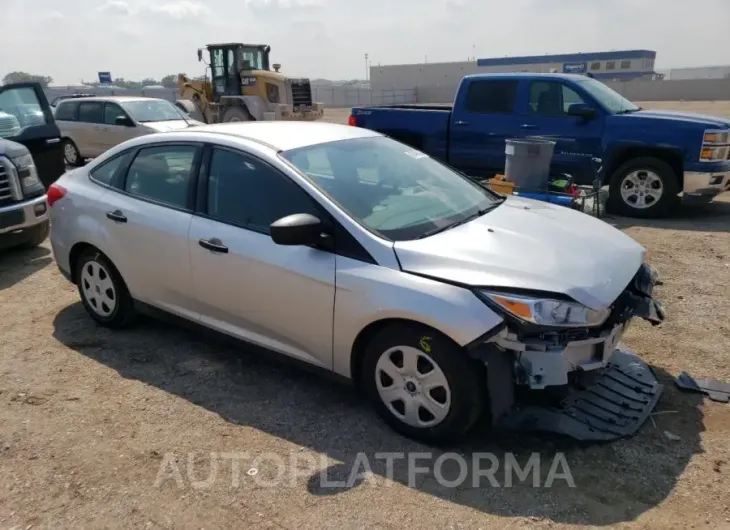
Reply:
x=74, y=39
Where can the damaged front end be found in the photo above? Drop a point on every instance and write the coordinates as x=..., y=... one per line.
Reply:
x=579, y=382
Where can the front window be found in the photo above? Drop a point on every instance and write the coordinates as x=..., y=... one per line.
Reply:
x=147, y=110
x=606, y=96
x=253, y=59
x=390, y=188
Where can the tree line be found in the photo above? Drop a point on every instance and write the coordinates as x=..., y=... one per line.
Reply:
x=169, y=81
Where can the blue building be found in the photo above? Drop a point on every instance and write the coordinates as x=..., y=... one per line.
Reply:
x=628, y=64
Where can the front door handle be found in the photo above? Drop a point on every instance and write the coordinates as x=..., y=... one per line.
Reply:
x=461, y=122
x=214, y=245
x=117, y=216
x=528, y=126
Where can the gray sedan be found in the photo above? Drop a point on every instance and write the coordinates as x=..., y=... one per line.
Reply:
x=354, y=253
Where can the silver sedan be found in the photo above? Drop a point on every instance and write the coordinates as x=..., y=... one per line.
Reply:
x=349, y=251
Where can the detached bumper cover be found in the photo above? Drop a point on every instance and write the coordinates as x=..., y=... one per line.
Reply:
x=616, y=405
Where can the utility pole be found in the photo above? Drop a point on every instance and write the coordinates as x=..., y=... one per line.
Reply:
x=367, y=68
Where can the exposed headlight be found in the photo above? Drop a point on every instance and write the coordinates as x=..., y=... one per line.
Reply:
x=548, y=312
x=27, y=172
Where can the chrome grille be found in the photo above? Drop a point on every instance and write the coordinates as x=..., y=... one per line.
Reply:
x=301, y=92
x=6, y=193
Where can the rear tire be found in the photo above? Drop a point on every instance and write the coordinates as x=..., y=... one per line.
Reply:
x=644, y=187
x=38, y=235
x=103, y=292
x=236, y=114
x=422, y=384
x=71, y=154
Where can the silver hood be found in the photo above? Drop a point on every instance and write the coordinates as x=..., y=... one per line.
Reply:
x=533, y=245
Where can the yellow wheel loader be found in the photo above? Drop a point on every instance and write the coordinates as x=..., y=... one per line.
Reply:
x=242, y=87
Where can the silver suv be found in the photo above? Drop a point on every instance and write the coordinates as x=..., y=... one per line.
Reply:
x=91, y=125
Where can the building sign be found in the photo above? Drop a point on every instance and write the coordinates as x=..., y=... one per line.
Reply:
x=575, y=68
x=105, y=78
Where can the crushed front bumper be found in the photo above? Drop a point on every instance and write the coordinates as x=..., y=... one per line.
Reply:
x=581, y=383
x=615, y=405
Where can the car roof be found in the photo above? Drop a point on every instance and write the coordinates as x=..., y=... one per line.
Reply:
x=523, y=75
x=115, y=99
x=287, y=135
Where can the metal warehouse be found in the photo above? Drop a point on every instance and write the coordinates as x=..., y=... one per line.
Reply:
x=619, y=65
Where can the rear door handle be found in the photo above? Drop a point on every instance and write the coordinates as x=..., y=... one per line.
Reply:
x=214, y=245
x=528, y=126
x=117, y=216
x=461, y=122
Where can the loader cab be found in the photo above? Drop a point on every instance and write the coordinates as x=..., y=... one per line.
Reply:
x=232, y=66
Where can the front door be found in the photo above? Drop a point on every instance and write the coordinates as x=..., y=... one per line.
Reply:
x=482, y=119
x=280, y=297
x=114, y=134
x=26, y=118
x=577, y=139
x=148, y=219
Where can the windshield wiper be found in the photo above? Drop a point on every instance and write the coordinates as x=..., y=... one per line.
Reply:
x=465, y=220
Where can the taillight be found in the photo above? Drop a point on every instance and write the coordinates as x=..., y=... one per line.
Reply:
x=352, y=121
x=55, y=193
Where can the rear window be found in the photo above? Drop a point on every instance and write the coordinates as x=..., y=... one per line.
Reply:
x=66, y=110
x=491, y=97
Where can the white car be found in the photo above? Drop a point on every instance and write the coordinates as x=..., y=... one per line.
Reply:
x=91, y=125
x=359, y=255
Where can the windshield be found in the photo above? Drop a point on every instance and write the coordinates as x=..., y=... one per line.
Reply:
x=390, y=188
x=252, y=59
x=606, y=96
x=145, y=110
x=19, y=109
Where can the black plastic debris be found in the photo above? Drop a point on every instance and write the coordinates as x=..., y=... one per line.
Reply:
x=618, y=402
x=714, y=389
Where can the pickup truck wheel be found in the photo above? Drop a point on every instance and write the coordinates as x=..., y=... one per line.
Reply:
x=71, y=153
x=103, y=292
x=422, y=384
x=643, y=187
x=37, y=235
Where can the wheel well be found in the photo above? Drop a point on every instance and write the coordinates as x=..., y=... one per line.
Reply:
x=670, y=157
x=366, y=335
x=75, y=254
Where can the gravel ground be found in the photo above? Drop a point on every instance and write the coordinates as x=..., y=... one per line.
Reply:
x=108, y=429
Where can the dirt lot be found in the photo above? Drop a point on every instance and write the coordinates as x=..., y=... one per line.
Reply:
x=94, y=423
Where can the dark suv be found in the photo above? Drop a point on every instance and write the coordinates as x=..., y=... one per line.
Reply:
x=31, y=159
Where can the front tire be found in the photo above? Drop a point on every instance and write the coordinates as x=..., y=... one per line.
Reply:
x=71, y=153
x=236, y=114
x=103, y=292
x=644, y=187
x=422, y=384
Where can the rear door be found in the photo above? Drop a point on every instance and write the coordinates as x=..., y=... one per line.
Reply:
x=89, y=129
x=26, y=118
x=577, y=139
x=482, y=119
x=147, y=217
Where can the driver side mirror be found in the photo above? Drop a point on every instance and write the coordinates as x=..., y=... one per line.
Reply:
x=300, y=229
x=123, y=121
x=581, y=110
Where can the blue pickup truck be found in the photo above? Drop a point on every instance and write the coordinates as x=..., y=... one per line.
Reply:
x=649, y=156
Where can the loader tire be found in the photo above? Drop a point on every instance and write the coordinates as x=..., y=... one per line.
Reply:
x=236, y=114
